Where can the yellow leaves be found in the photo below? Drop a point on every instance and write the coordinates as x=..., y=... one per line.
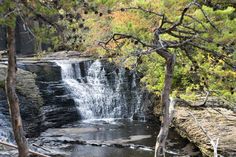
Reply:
x=61, y=11
x=130, y=20
x=124, y=17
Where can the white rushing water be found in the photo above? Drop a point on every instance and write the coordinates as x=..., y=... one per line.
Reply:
x=5, y=128
x=92, y=92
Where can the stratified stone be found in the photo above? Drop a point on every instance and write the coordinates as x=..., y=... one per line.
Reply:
x=218, y=123
x=30, y=99
x=58, y=108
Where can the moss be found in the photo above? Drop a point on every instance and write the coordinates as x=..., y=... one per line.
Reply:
x=2, y=84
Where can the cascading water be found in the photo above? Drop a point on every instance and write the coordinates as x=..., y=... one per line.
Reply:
x=97, y=95
x=5, y=127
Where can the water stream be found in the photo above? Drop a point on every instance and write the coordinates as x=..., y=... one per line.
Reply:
x=5, y=124
x=93, y=93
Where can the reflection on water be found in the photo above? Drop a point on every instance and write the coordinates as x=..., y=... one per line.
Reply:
x=111, y=138
x=90, y=151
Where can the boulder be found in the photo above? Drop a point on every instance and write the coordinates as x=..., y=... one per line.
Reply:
x=29, y=97
x=218, y=123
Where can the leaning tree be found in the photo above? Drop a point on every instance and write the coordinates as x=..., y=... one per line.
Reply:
x=198, y=34
x=55, y=16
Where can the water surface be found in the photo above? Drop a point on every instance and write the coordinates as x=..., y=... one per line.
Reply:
x=111, y=138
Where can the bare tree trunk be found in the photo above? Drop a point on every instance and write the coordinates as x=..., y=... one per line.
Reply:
x=12, y=98
x=165, y=105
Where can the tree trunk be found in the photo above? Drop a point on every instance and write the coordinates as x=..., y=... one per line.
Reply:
x=165, y=104
x=12, y=98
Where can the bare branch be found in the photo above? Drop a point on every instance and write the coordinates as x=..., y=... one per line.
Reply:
x=25, y=24
x=141, y=9
x=196, y=20
x=40, y=16
x=181, y=18
x=119, y=36
x=205, y=15
x=183, y=14
x=9, y=13
x=213, y=142
x=213, y=52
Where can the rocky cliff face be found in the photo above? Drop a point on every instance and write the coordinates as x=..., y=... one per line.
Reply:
x=29, y=96
x=44, y=102
x=58, y=107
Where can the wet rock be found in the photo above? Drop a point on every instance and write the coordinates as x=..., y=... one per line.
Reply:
x=44, y=103
x=29, y=97
x=44, y=71
x=58, y=108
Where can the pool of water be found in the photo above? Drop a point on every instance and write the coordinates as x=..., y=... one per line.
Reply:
x=110, y=138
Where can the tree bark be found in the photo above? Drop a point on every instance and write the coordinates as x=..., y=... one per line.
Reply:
x=12, y=98
x=165, y=105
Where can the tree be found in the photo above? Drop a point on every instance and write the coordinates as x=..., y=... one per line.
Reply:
x=12, y=98
x=195, y=36
x=9, y=11
x=199, y=44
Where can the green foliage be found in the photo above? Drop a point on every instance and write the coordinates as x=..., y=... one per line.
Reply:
x=204, y=71
x=86, y=23
x=153, y=69
x=2, y=84
x=6, y=12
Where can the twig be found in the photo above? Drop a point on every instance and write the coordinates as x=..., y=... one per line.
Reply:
x=26, y=26
x=206, y=98
x=198, y=21
x=14, y=146
x=141, y=9
x=207, y=18
x=41, y=147
x=181, y=18
x=9, y=13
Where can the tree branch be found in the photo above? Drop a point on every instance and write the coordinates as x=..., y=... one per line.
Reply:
x=213, y=142
x=40, y=16
x=14, y=146
x=205, y=15
x=143, y=10
x=119, y=36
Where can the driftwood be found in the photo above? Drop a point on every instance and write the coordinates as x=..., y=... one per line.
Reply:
x=41, y=147
x=30, y=151
x=213, y=142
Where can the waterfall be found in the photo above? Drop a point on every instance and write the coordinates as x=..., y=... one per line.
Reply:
x=5, y=126
x=96, y=95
